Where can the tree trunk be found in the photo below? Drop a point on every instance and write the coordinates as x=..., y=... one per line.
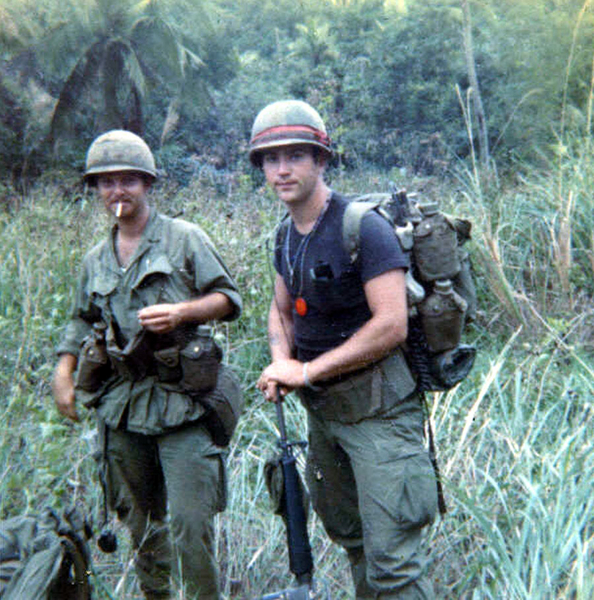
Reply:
x=483, y=138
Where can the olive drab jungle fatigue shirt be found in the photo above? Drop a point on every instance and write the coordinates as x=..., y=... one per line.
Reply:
x=175, y=261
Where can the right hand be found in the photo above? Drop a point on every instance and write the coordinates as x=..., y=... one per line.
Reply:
x=272, y=389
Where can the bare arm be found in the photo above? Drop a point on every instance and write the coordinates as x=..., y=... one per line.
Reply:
x=63, y=386
x=280, y=338
x=163, y=318
x=387, y=328
x=280, y=323
x=386, y=297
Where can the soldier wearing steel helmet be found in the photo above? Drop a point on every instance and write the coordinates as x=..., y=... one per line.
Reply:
x=134, y=350
x=335, y=329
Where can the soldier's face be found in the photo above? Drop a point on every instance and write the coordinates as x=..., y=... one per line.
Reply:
x=123, y=193
x=293, y=172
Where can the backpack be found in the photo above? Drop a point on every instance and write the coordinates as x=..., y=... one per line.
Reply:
x=45, y=557
x=441, y=295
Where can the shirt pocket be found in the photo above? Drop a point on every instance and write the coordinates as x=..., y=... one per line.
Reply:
x=100, y=287
x=153, y=280
x=339, y=293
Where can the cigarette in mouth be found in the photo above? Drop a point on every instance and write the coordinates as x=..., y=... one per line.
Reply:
x=119, y=210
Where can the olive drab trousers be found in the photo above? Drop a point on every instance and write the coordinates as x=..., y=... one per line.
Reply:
x=180, y=471
x=373, y=486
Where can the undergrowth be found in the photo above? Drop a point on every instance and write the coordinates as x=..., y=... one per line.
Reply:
x=515, y=439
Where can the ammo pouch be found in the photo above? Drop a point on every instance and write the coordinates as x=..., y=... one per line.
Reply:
x=200, y=360
x=94, y=367
x=195, y=366
x=193, y=363
x=361, y=394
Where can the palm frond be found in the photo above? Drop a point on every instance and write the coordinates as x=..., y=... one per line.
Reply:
x=134, y=73
x=80, y=77
x=156, y=41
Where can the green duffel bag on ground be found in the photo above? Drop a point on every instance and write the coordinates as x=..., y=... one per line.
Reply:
x=45, y=557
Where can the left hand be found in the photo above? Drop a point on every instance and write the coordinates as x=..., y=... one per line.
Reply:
x=160, y=318
x=286, y=373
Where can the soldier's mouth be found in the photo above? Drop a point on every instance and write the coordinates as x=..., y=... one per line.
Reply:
x=117, y=207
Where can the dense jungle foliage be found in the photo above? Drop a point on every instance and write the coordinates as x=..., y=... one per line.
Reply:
x=393, y=80
x=389, y=76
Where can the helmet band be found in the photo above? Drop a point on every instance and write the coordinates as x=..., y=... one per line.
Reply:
x=280, y=132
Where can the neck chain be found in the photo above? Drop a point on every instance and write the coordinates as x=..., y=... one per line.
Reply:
x=300, y=303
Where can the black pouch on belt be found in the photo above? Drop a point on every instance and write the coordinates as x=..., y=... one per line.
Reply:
x=200, y=360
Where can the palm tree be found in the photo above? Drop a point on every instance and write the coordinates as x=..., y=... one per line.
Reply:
x=122, y=49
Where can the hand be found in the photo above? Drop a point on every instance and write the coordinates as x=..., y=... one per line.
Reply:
x=63, y=388
x=160, y=318
x=285, y=375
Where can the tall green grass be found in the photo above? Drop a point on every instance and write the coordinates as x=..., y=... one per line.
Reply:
x=515, y=440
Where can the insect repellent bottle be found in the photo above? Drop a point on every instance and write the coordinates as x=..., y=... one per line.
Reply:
x=435, y=245
x=442, y=315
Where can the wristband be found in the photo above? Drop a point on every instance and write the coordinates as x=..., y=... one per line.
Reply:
x=307, y=383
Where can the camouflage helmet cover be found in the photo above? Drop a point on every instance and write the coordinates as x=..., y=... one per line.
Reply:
x=284, y=123
x=119, y=150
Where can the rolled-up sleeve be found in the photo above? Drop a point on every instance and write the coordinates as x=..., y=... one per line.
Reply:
x=83, y=314
x=210, y=272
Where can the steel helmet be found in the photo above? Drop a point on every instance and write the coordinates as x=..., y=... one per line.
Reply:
x=119, y=150
x=287, y=122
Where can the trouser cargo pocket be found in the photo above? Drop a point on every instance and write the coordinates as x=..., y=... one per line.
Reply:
x=348, y=401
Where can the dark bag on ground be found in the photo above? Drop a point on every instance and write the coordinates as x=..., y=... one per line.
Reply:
x=45, y=557
x=440, y=290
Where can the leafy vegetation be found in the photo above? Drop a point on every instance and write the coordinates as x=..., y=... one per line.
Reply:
x=515, y=439
x=190, y=75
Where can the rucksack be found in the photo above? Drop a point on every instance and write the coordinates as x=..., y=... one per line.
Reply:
x=45, y=557
x=441, y=294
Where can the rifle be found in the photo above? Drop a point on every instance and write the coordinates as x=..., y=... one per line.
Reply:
x=295, y=517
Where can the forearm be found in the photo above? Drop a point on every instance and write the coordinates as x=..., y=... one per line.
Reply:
x=66, y=367
x=280, y=334
x=211, y=307
x=63, y=385
x=163, y=318
x=375, y=340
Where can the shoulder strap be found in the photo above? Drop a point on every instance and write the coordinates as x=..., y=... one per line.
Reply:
x=351, y=223
x=282, y=228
